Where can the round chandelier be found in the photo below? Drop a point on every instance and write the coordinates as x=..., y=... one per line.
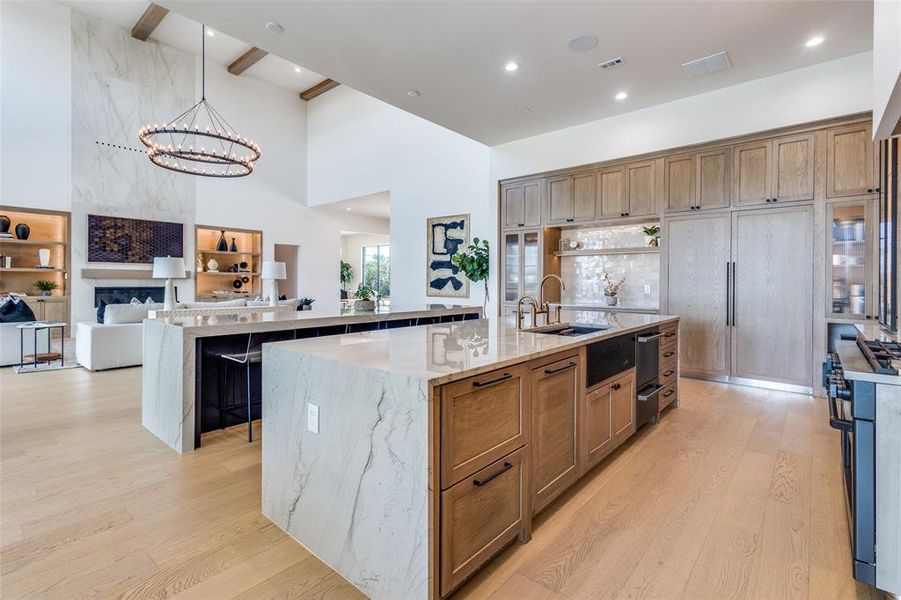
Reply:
x=200, y=141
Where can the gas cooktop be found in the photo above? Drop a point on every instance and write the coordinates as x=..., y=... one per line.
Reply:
x=884, y=357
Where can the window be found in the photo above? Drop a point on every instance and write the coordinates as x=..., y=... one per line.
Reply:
x=377, y=269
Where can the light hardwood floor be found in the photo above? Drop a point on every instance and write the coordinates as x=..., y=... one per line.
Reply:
x=737, y=494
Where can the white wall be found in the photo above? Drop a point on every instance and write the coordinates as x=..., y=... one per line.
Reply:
x=825, y=90
x=358, y=145
x=352, y=249
x=886, y=67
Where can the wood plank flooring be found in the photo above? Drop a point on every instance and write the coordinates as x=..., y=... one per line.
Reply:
x=737, y=494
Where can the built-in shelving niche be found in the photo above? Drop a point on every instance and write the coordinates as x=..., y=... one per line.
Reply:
x=219, y=284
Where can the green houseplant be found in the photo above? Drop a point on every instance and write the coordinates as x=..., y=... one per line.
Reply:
x=474, y=263
x=45, y=286
x=305, y=303
x=364, y=301
x=653, y=232
x=347, y=274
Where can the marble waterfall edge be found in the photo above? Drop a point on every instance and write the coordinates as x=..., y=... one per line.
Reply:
x=166, y=410
x=356, y=493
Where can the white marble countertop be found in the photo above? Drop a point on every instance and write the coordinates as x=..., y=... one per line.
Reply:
x=450, y=351
x=289, y=318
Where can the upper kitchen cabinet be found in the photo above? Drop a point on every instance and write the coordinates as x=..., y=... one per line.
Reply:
x=850, y=168
x=627, y=191
x=521, y=203
x=752, y=175
x=793, y=168
x=713, y=177
x=679, y=183
x=571, y=198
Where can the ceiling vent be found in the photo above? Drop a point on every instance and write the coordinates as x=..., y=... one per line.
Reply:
x=707, y=65
x=613, y=62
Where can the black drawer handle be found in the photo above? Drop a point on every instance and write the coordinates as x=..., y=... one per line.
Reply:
x=563, y=368
x=480, y=384
x=668, y=354
x=669, y=334
x=668, y=393
x=480, y=482
x=668, y=373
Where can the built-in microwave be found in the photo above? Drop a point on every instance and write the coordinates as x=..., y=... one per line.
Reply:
x=889, y=167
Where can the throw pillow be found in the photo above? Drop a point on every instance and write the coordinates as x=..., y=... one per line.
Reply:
x=20, y=313
x=125, y=313
x=101, y=310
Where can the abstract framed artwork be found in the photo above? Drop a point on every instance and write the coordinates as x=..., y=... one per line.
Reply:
x=136, y=241
x=445, y=237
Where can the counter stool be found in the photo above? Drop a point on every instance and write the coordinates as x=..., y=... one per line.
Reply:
x=251, y=356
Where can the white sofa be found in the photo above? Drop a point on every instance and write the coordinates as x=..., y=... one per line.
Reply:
x=9, y=343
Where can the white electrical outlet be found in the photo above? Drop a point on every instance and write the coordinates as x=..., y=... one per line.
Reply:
x=313, y=417
x=647, y=289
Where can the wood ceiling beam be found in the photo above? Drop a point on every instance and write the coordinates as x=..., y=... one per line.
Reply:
x=318, y=89
x=152, y=16
x=246, y=60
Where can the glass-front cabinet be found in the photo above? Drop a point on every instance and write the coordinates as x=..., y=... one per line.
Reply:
x=850, y=255
x=522, y=265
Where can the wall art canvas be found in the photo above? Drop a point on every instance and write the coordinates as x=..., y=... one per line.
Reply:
x=446, y=236
x=121, y=240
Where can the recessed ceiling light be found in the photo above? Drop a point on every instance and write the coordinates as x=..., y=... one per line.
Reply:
x=348, y=208
x=413, y=93
x=583, y=43
x=815, y=41
x=210, y=32
x=511, y=66
x=622, y=96
x=297, y=69
x=274, y=27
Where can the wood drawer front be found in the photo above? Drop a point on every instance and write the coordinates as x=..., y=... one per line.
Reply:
x=670, y=331
x=668, y=371
x=669, y=351
x=554, y=399
x=480, y=515
x=669, y=395
x=483, y=419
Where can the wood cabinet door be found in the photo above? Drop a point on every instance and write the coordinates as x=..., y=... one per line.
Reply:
x=850, y=168
x=584, y=196
x=480, y=515
x=642, y=192
x=622, y=408
x=482, y=419
x=772, y=328
x=793, y=168
x=698, y=261
x=513, y=205
x=54, y=310
x=713, y=176
x=678, y=183
x=753, y=173
x=598, y=437
x=611, y=192
x=531, y=203
x=560, y=200
x=554, y=393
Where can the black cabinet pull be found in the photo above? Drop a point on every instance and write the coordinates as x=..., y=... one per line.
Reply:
x=767, y=200
x=668, y=354
x=563, y=368
x=616, y=386
x=480, y=384
x=668, y=393
x=669, y=334
x=480, y=482
x=775, y=199
x=869, y=316
x=733, y=293
x=869, y=190
x=522, y=225
x=668, y=372
x=728, y=291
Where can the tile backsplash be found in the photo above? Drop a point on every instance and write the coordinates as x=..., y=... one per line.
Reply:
x=583, y=275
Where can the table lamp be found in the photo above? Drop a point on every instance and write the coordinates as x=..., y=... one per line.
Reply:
x=273, y=270
x=169, y=268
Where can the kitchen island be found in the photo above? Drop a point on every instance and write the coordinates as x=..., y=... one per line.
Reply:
x=181, y=375
x=405, y=459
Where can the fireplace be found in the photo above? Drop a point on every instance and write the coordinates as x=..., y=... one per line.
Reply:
x=113, y=295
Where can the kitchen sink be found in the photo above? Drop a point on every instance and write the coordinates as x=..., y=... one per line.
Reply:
x=566, y=329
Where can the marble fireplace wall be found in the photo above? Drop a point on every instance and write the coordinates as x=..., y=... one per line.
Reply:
x=118, y=82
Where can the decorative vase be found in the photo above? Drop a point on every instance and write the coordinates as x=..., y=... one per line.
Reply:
x=611, y=300
x=199, y=262
x=23, y=231
x=4, y=224
x=45, y=292
x=364, y=305
x=222, y=245
x=233, y=247
x=212, y=265
x=306, y=307
x=44, y=257
x=653, y=242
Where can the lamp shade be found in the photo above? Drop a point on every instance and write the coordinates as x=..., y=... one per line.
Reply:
x=168, y=267
x=273, y=270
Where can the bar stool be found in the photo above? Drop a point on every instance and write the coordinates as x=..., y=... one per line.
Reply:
x=251, y=356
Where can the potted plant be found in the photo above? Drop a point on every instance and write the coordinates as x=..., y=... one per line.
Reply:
x=347, y=274
x=45, y=286
x=364, y=301
x=611, y=287
x=653, y=232
x=305, y=304
x=474, y=263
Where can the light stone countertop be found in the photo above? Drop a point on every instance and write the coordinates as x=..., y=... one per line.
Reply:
x=449, y=351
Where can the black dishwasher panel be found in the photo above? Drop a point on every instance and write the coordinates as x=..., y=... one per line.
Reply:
x=609, y=357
